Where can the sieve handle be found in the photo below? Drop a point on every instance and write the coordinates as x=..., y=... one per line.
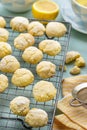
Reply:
x=73, y=104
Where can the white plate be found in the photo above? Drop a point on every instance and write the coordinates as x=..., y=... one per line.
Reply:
x=69, y=16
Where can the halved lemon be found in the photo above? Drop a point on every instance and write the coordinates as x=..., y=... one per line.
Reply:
x=82, y=2
x=45, y=9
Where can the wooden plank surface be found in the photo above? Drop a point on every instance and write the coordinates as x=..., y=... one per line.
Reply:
x=55, y=126
x=59, y=126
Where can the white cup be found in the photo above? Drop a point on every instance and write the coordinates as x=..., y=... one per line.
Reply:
x=80, y=11
x=17, y=5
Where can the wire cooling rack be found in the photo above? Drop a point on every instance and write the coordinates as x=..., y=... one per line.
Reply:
x=8, y=120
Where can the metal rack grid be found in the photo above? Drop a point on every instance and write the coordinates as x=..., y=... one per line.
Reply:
x=13, y=122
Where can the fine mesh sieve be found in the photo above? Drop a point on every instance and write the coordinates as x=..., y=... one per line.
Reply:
x=80, y=94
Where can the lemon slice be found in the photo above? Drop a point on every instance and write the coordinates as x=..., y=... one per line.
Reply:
x=45, y=9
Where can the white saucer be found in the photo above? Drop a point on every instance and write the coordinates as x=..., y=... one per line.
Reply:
x=69, y=16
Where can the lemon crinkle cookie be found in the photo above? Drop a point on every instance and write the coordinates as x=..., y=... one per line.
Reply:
x=46, y=69
x=2, y=22
x=71, y=56
x=75, y=70
x=3, y=83
x=80, y=62
x=22, y=77
x=36, y=28
x=44, y=91
x=32, y=55
x=36, y=118
x=50, y=47
x=23, y=41
x=55, y=29
x=19, y=24
x=9, y=64
x=20, y=105
x=5, y=49
x=4, y=35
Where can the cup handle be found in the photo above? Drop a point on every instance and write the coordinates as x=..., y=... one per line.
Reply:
x=73, y=104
